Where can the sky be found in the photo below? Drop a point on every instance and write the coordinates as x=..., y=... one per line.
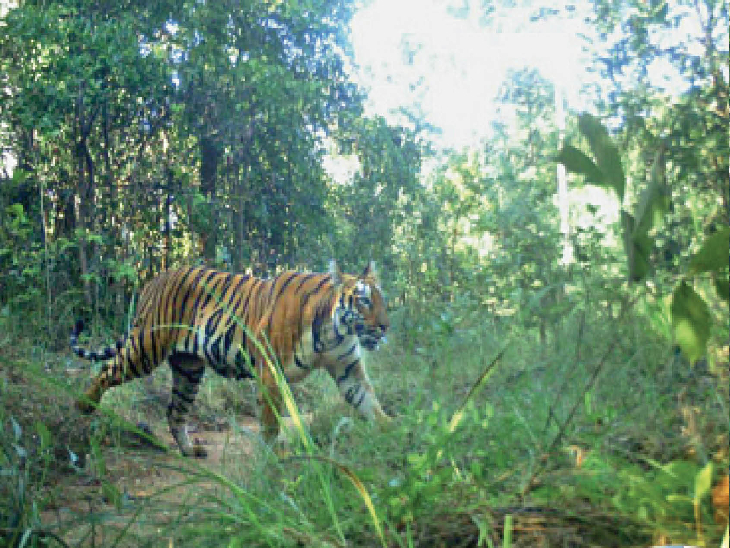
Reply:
x=460, y=63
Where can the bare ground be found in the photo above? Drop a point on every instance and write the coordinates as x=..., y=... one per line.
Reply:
x=126, y=483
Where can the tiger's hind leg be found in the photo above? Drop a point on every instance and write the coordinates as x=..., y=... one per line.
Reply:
x=131, y=362
x=187, y=371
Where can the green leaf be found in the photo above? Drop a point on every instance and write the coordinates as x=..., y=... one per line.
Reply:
x=112, y=494
x=576, y=161
x=703, y=482
x=722, y=286
x=714, y=254
x=44, y=434
x=605, y=152
x=19, y=176
x=654, y=199
x=690, y=321
x=638, y=246
x=17, y=430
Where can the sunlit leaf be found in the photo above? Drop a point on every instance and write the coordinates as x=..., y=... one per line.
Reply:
x=690, y=321
x=605, y=152
x=714, y=254
x=703, y=482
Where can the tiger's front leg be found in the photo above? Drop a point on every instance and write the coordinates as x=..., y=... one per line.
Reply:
x=187, y=371
x=271, y=402
x=355, y=387
x=266, y=354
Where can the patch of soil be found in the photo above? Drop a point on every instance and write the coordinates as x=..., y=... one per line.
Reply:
x=142, y=471
x=115, y=489
x=129, y=480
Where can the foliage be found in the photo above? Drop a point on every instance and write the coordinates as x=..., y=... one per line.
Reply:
x=691, y=317
x=142, y=136
x=20, y=467
x=162, y=134
x=470, y=447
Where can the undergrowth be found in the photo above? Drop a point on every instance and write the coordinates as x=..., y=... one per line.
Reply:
x=598, y=436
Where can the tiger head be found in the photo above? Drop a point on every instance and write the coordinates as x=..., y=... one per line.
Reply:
x=361, y=305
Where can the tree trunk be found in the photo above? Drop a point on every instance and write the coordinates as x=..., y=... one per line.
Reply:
x=82, y=222
x=209, y=158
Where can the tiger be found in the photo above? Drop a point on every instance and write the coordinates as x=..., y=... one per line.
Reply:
x=245, y=327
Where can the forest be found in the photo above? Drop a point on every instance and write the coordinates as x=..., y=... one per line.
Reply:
x=556, y=367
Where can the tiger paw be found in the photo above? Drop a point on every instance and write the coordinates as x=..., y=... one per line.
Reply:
x=196, y=450
x=199, y=452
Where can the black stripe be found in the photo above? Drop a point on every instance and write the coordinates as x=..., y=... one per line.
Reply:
x=191, y=333
x=347, y=370
x=272, y=302
x=191, y=286
x=343, y=356
x=228, y=338
x=134, y=342
x=210, y=289
x=359, y=403
x=176, y=302
x=162, y=298
x=249, y=294
x=273, y=285
x=191, y=375
x=144, y=361
x=243, y=365
x=153, y=342
x=215, y=350
x=195, y=339
x=351, y=392
x=178, y=404
x=211, y=329
x=211, y=326
x=201, y=287
x=284, y=286
x=304, y=279
x=320, y=285
x=236, y=292
x=188, y=398
x=224, y=287
x=235, y=308
x=206, y=352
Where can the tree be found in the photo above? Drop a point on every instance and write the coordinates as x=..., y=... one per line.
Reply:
x=673, y=142
x=161, y=134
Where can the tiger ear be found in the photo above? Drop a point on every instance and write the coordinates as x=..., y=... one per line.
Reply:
x=370, y=271
x=335, y=273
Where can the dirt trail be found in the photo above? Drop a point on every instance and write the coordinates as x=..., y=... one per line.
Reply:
x=141, y=475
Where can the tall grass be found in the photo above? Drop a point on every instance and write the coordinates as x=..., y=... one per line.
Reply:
x=600, y=437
